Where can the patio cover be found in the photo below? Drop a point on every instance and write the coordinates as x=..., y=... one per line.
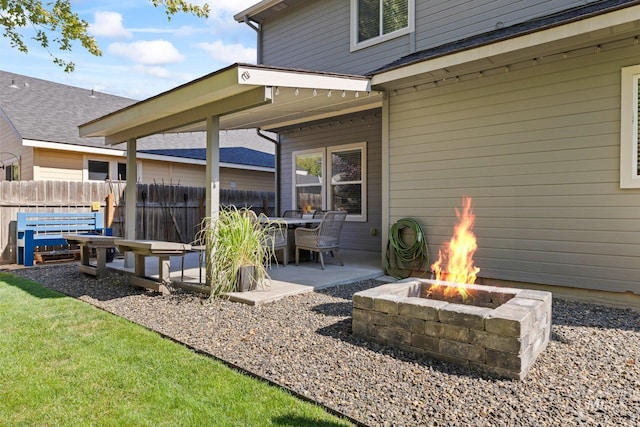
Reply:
x=240, y=96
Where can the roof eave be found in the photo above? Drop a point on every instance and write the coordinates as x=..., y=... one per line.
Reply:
x=509, y=45
x=234, y=89
x=256, y=9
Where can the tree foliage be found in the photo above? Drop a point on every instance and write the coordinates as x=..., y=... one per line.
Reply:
x=55, y=23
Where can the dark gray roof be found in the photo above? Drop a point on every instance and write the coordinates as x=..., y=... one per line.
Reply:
x=235, y=155
x=533, y=25
x=46, y=111
x=42, y=110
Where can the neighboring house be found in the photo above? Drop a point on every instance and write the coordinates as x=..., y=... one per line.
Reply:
x=39, y=141
x=530, y=108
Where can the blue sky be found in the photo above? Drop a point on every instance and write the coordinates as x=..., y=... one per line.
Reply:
x=143, y=54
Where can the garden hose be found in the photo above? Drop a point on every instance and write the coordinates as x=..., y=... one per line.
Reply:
x=406, y=258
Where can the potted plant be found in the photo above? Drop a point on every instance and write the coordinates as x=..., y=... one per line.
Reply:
x=238, y=251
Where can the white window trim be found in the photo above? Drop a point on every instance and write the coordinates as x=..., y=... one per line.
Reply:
x=326, y=176
x=354, y=45
x=294, y=193
x=629, y=177
x=363, y=178
x=113, y=168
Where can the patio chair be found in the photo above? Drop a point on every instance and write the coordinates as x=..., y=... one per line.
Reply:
x=276, y=237
x=319, y=213
x=324, y=238
x=292, y=214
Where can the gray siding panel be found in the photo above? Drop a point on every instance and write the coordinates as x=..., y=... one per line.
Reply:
x=538, y=151
x=440, y=22
x=314, y=35
x=342, y=130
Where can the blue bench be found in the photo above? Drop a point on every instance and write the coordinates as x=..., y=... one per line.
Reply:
x=36, y=229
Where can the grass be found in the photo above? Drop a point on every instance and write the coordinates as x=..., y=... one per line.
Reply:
x=64, y=362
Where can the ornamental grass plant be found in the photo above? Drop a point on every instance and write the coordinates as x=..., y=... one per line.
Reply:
x=236, y=243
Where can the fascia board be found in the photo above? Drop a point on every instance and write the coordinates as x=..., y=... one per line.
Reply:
x=303, y=80
x=256, y=9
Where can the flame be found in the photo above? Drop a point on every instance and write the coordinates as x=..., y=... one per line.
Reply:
x=455, y=257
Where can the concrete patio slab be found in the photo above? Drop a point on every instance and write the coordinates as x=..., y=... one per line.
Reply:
x=285, y=281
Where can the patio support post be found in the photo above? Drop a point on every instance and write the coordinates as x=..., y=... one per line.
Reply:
x=131, y=196
x=386, y=208
x=212, y=177
x=212, y=172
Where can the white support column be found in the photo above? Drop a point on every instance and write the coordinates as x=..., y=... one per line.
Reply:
x=131, y=198
x=213, y=168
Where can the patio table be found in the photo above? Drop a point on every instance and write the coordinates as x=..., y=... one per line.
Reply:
x=292, y=223
x=157, y=248
x=92, y=241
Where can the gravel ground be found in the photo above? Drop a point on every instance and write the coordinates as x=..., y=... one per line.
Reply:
x=588, y=375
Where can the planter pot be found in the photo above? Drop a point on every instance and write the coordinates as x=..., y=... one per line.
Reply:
x=246, y=279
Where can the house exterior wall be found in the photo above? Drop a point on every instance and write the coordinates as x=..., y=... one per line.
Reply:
x=12, y=148
x=537, y=149
x=436, y=22
x=363, y=127
x=194, y=175
x=55, y=165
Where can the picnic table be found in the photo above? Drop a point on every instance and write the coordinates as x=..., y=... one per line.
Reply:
x=156, y=248
x=92, y=241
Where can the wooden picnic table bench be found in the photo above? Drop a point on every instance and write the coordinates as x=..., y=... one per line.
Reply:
x=156, y=248
x=92, y=241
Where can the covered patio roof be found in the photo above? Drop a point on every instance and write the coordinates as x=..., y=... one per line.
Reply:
x=240, y=96
x=243, y=97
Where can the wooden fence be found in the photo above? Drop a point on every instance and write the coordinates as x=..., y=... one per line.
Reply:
x=163, y=212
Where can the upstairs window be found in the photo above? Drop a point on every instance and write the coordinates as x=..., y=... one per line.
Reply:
x=630, y=128
x=374, y=21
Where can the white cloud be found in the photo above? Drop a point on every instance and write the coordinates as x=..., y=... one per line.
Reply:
x=154, y=71
x=229, y=53
x=155, y=52
x=109, y=24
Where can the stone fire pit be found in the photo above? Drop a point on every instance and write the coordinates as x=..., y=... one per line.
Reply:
x=498, y=330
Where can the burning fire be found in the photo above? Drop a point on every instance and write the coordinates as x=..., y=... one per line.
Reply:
x=455, y=257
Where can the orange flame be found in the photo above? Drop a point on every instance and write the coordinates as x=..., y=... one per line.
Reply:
x=455, y=257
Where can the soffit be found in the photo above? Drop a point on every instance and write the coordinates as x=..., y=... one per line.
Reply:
x=244, y=97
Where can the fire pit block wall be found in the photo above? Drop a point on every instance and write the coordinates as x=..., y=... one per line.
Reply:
x=502, y=335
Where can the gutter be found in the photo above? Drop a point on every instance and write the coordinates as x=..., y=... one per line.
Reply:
x=258, y=29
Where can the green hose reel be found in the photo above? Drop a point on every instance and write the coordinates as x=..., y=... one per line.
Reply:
x=407, y=250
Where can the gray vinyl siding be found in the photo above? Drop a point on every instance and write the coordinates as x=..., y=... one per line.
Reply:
x=443, y=21
x=538, y=150
x=314, y=35
x=366, y=127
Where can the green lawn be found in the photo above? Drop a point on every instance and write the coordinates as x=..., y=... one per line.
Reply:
x=64, y=362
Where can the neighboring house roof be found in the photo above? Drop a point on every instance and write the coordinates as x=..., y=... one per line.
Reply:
x=41, y=110
x=533, y=25
x=233, y=155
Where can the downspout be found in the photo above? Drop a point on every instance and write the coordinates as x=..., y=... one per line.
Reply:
x=277, y=165
x=258, y=29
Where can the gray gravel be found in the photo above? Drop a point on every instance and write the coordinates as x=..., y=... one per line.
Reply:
x=588, y=375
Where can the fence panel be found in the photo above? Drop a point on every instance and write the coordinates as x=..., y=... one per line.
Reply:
x=163, y=211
